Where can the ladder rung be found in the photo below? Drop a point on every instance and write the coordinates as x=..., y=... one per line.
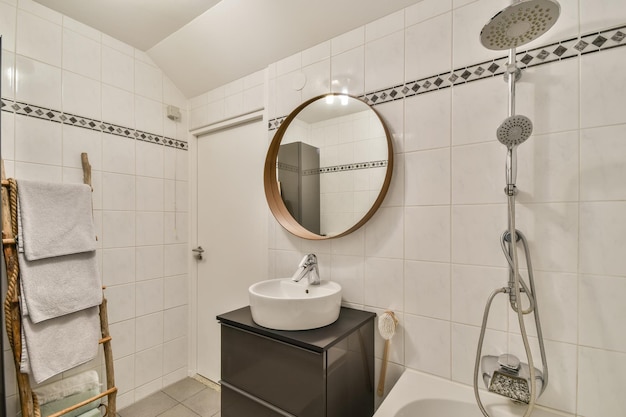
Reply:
x=82, y=403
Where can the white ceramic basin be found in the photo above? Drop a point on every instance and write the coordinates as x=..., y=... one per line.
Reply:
x=283, y=304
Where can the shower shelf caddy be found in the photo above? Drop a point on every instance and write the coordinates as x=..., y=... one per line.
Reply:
x=28, y=399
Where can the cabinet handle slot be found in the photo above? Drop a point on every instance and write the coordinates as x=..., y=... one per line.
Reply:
x=256, y=400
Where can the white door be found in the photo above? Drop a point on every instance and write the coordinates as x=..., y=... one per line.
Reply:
x=232, y=229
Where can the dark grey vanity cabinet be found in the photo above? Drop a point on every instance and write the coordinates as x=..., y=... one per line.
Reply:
x=326, y=372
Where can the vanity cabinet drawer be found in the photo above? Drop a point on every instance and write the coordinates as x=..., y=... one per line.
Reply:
x=286, y=376
x=236, y=404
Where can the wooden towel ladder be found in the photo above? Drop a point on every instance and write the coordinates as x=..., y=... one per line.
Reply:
x=28, y=399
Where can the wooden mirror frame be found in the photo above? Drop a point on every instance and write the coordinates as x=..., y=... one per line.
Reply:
x=272, y=191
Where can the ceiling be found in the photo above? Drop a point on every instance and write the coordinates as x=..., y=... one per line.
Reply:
x=202, y=44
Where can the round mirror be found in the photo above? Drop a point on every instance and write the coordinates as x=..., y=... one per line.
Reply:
x=328, y=167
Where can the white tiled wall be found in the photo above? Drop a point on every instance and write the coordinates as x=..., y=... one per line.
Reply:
x=239, y=97
x=140, y=188
x=432, y=252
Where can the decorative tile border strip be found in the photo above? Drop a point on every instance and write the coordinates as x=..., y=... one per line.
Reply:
x=558, y=51
x=31, y=110
x=287, y=167
x=275, y=123
x=333, y=169
x=346, y=167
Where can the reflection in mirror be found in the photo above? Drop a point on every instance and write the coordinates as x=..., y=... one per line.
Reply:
x=297, y=173
x=329, y=167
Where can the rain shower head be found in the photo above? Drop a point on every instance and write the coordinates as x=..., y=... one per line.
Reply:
x=514, y=130
x=519, y=23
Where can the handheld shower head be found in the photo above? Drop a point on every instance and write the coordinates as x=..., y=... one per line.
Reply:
x=519, y=23
x=514, y=130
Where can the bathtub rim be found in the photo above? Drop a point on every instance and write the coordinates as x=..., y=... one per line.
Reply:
x=415, y=385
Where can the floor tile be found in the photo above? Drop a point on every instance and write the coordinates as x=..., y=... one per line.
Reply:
x=184, y=389
x=206, y=403
x=179, y=411
x=186, y=398
x=151, y=406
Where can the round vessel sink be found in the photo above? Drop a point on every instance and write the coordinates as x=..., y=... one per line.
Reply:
x=282, y=304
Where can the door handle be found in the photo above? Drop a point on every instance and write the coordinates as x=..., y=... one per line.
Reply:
x=198, y=252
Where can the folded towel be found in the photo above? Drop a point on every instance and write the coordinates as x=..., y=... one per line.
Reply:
x=56, y=219
x=59, y=344
x=63, y=403
x=53, y=287
x=66, y=387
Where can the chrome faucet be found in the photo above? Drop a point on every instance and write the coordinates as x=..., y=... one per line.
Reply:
x=308, y=268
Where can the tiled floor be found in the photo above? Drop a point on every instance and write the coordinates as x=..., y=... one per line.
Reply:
x=186, y=398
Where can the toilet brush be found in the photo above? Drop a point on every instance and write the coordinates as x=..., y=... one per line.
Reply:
x=387, y=323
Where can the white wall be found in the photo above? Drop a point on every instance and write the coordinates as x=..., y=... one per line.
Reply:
x=432, y=251
x=140, y=194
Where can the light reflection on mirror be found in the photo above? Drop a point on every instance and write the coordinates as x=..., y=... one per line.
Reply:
x=332, y=165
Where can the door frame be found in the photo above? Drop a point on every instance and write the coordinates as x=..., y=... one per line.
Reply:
x=192, y=265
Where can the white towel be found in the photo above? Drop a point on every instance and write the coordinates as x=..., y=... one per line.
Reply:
x=85, y=381
x=53, y=287
x=56, y=219
x=59, y=344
